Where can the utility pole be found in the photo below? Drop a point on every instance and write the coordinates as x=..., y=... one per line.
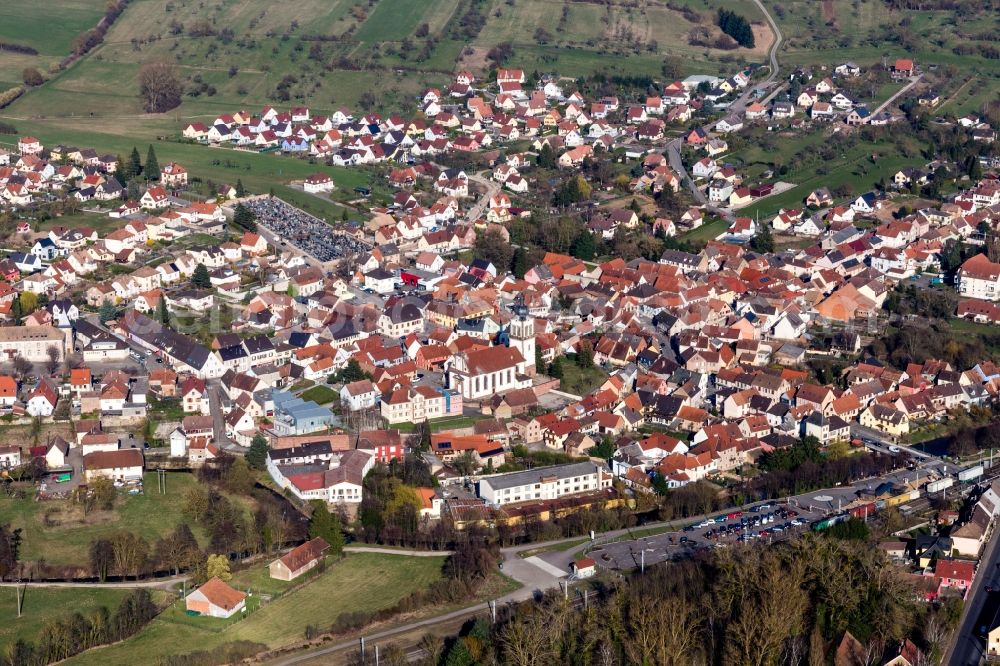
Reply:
x=376, y=655
x=362, y=648
x=642, y=559
x=493, y=610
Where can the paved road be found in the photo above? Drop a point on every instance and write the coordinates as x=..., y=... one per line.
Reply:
x=549, y=570
x=902, y=91
x=222, y=440
x=479, y=208
x=858, y=430
x=967, y=648
x=673, y=148
x=811, y=506
x=778, y=38
x=677, y=164
x=396, y=551
x=653, y=549
x=152, y=582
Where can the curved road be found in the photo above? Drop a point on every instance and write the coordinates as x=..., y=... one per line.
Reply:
x=537, y=574
x=737, y=108
x=491, y=186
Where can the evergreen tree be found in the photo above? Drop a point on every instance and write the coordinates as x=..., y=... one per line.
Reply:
x=133, y=191
x=520, y=263
x=326, y=526
x=539, y=359
x=161, y=310
x=152, y=164
x=201, y=278
x=546, y=157
x=737, y=27
x=584, y=246
x=107, y=312
x=134, y=164
x=244, y=218
x=763, y=242
x=352, y=372
x=975, y=169
x=120, y=169
x=257, y=455
x=240, y=190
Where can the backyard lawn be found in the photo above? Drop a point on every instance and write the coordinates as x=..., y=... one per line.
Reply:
x=705, y=232
x=361, y=582
x=320, y=394
x=446, y=423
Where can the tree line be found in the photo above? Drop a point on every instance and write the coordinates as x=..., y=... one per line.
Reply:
x=737, y=27
x=803, y=467
x=75, y=632
x=232, y=530
x=789, y=603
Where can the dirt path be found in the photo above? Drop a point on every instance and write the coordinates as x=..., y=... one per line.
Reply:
x=829, y=12
x=954, y=95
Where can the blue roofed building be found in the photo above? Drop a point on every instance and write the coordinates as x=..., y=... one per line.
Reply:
x=295, y=416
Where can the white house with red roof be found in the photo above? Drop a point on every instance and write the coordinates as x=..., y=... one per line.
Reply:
x=318, y=182
x=154, y=198
x=29, y=145
x=174, y=175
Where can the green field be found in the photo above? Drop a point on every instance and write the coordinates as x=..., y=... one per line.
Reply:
x=28, y=23
x=705, y=232
x=865, y=31
x=57, y=531
x=395, y=20
x=853, y=166
x=42, y=604
x=100, y=222
x=233, y=55
x=361, y=582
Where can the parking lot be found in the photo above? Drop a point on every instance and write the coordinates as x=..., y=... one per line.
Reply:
x=764, y=522
x=309, y=234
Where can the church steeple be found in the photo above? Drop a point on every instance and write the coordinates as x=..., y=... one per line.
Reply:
x=522, y=333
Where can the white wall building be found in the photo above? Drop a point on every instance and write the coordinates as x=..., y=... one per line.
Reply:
x=544, y=483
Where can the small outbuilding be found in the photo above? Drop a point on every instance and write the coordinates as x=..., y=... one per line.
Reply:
x=216, y=599
x=299, y=560
x=584, y=568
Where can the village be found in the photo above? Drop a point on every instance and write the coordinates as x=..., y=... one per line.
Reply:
x=533, y=382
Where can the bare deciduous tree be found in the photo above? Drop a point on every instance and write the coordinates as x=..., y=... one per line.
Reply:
x=131, y=552
x=52, y=364
x=159, y=85
x=22, y=366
